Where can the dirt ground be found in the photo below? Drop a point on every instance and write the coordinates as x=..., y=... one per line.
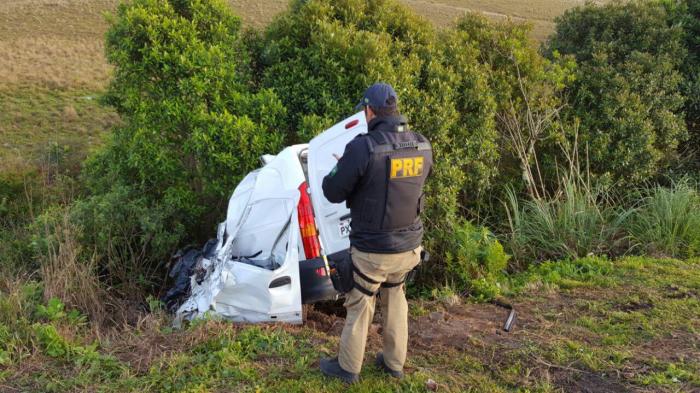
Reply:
x=476, y=330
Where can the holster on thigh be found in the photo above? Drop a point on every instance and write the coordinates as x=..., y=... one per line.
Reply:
x=343, y=277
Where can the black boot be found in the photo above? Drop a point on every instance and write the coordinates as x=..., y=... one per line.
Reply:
x=382, y=366
x=331, y=367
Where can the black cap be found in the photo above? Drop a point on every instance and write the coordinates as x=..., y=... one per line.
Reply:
x=379, y=95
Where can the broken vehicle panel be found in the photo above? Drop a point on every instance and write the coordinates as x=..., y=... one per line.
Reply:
x=278, y=227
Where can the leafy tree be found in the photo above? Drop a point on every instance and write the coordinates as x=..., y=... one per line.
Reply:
x=452, y=84
x=689, y=18
x=321, y=55
x=626, y=94
x=191, y=129
x=527, y=93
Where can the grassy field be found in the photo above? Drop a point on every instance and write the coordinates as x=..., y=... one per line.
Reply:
x=586, y=326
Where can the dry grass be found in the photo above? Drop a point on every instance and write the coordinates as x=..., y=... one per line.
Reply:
x=53, y=43
x=53, y=62
x=69, y=276
x=60, y=43
x=540, y=13
x=258, y=13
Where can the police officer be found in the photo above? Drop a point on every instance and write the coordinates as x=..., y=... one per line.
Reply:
x=380, y=177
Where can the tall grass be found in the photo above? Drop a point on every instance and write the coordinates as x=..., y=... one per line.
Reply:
x=579, y=221
x=69, y=274
x=582, y=220
x=666, y=220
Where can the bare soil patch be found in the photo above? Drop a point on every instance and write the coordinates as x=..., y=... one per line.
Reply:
x=543, y=322
x=587, y=383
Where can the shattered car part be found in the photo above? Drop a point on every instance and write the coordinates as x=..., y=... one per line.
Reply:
x=512, y=315
x=184, y=264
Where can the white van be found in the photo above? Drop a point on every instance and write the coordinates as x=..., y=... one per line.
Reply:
x=268, y=257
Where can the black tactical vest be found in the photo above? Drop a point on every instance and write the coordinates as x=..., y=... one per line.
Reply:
x=387, y=203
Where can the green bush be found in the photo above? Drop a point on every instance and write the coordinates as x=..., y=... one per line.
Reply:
x=452, y=85
x=688, y=16
x=527, y=94
x=192, y=127
x=666, y=221
x=321, y=55
x=475, y=261
x=627, y=90
x=130, y=230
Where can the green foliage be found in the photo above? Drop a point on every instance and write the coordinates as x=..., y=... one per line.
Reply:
x=452, y=84
x=92, y=365
x=321, y=55
x=192, y=128
x=475, y=261
x=53, y=310
x=24, y=196
x=129, y=230
x=51, y=341
x=17, y=304
x=628, y=57
x=653, y=220
x=582, y=220
x=667, y=221
x=583, y=272
x=15, y=212
x=688, y=16
x=29, y=326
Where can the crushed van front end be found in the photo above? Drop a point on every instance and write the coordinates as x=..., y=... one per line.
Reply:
x=268, y=256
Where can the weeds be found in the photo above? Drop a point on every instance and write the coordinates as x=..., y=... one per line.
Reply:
x=580, y=221
x=660, y=221
x=666, y=220
x=475, y=261
x=18, y=301
x=68, y=274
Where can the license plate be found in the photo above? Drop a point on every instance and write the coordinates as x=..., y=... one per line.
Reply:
x=344, y=227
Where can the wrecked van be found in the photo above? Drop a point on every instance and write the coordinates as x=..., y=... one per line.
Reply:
x=271, y=253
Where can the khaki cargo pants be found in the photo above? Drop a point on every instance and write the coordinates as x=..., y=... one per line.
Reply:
x=391, y=268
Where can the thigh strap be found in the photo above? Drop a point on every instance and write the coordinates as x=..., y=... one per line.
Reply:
x=359, y=287
x=366, y=291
